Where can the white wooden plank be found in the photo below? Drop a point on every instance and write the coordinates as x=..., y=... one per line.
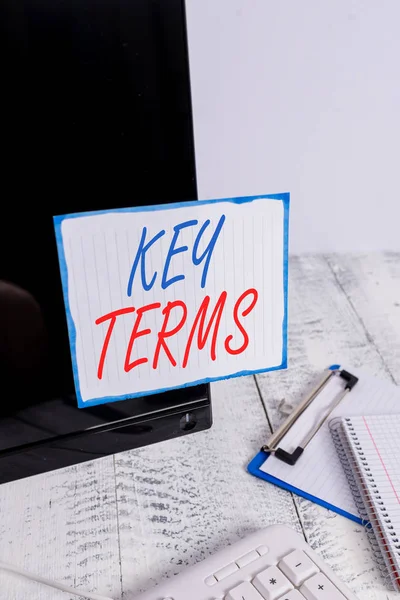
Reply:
x=325, y=328
x=182, y=500
x=372, y=284
x=63, y=526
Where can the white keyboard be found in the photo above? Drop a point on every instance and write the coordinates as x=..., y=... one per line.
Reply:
x=270, y=564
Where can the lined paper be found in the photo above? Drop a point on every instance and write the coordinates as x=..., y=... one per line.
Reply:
x=373, y=451
x=97, y=252
x=319, y=471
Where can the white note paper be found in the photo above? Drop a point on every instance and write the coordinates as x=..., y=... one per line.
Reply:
x=227, y=260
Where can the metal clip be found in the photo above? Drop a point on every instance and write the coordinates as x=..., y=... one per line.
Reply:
x=292, y=458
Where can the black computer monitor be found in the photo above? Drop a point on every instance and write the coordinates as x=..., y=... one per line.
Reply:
x=96, y=115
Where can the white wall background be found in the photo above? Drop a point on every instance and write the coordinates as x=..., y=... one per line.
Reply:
x=302, y=96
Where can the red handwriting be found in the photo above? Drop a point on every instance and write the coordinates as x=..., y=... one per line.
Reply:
x=136, y=334
x=199, y=321
x=112, y=317
x=163, y=334
x=200, y=330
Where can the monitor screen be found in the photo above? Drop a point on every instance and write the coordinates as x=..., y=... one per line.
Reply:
x=96, y=114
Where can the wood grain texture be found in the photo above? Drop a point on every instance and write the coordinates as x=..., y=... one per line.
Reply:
x=180, y=501
x=63, y=526
x=120, y=524
x=372, y=285
x=335, y=315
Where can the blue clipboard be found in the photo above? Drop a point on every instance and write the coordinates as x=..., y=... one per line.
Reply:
x=254, y=468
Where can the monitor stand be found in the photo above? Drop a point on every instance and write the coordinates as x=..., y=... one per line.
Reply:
x=55, y=434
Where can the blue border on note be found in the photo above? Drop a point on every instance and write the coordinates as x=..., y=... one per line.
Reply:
x=254, y=468
x=58, y=220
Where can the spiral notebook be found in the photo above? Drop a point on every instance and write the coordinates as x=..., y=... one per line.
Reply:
x=369, y=449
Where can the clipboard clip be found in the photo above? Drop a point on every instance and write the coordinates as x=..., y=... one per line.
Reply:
x=291, y=458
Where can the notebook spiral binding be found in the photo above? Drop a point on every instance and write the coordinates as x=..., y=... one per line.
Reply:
x=366, y=504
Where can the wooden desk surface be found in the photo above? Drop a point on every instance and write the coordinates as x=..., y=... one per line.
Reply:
x=120, y=524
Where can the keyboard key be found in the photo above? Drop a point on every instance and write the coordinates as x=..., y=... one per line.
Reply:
x=292, y=595
x=210, y=580
x=272, y=583
x=262, y=550
x=298, y=567
x=244, y=591
x=248, y=558
x=320, y=588
x=226, y=571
